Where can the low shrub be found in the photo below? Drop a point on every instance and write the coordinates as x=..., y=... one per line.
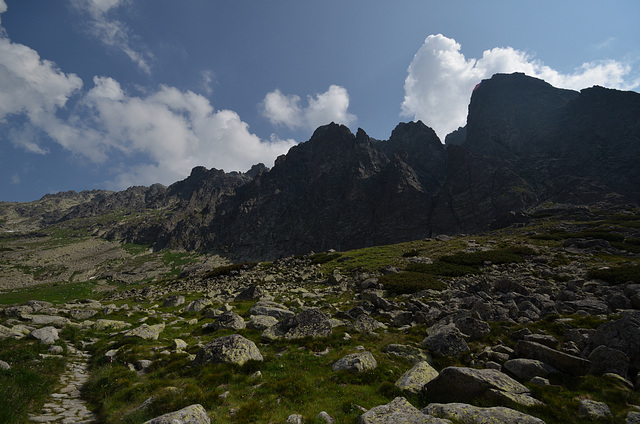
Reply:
x=410, y=282
x=512, y=254
x=616, y=275
x=323, y=257
x=445, y=269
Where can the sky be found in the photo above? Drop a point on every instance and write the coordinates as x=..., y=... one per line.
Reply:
x=113, y=93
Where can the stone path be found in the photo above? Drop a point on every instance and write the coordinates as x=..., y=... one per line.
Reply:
x=65, y=406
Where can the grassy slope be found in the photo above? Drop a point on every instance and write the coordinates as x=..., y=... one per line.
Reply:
x=295, y=378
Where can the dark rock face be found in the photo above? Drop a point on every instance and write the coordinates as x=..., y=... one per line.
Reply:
x=525, y=143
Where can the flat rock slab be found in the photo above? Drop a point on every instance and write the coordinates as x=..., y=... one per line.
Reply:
x=414, y=380
x=463, y=384
x=398, y=411
x=193, y=414
x=469, y=414
x=356, y=363
x=562, y=361
x=146, y=332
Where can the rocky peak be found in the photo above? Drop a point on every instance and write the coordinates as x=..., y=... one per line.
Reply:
x=514, y=115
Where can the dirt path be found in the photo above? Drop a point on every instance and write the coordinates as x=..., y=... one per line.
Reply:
x=65, y=406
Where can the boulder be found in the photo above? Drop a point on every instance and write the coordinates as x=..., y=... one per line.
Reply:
x=593, y=410
x=179, y=344
x=146, y=332
x=410, y=353
x=356, y=363
x=46, y=335
x=229, y=320
x=82, y=314
x=308, y=323
x=462, y=384
x=109, y=324
x=526, y=369
x=261, y=322
x=365, y=324
x=622, y=334
x=562, y=361
x=398, y=411
x=197, y=305
x=445, y=340
x=6, y=333
x=4, y=366
x=271, y=309
x=233, y=349
x=251, y=293
x=56, y=321
x=414, y=380
x=469, y=414
x=173, y=300
x=607, y=360
x=194, y=414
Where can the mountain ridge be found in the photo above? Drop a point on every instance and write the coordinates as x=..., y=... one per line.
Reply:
x=525, y=143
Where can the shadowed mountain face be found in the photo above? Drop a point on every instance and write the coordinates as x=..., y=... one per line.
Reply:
x=525, y=143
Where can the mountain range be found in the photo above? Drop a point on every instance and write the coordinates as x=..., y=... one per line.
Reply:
x=525, y=144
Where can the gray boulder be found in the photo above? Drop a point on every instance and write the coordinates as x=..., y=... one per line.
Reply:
x=8, y=333
x=261, y=322
x=308, y=323
x=410, y=353
x=229, y=320
x=356, y=363
x=445, y=340
x=197, y=305
x=398, y=411
x=593, y=410
x=251, y=293
x=194, y=414
x=365, y=324
x=4, y=366
x=46, y=335
x=271, y=309
x=462, y=384
x=146, y=332
x=469, y=414
x=173, y=300
x=228, y=349
x=526, y=369
x=622, y=334
x=82, y=314
x=607, y=360
x=414, y=380
x=562, y=361
x=54, y=320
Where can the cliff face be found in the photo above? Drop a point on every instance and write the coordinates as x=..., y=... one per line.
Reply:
x=525, y=143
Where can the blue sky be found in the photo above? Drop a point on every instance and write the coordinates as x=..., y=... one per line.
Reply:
x=114, y=93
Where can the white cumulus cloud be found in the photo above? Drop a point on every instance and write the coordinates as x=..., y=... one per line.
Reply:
x=159, y=136
x=175, y=129
x=32, y=87
x=323, y=108
x=440, y=79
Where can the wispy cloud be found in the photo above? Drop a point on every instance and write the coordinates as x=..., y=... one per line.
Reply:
x=440, y=79
x=113, y=32
x=323, y=108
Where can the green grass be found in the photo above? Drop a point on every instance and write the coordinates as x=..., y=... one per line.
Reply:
x=55, y=292
x=25, y=387
x=135, y=249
